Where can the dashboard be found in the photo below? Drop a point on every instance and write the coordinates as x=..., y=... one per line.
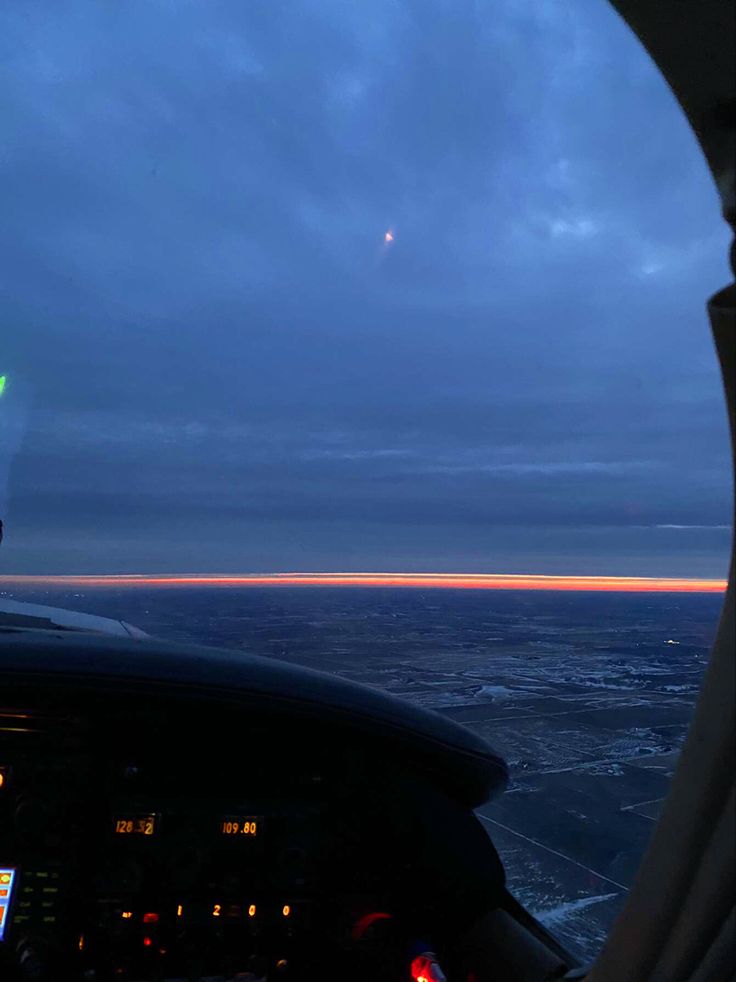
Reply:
x=183, y=816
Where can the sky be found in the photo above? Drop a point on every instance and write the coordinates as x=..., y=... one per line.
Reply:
x=215, y=360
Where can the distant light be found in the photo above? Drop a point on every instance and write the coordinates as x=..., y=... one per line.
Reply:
x=4, y=378
x=389, y=236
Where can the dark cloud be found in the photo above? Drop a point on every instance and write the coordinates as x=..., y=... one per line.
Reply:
x=204, y=328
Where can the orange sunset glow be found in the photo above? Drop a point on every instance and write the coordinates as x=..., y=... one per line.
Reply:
x=454, y=581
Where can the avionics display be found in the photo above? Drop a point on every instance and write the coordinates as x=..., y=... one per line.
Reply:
x=245, y=826
x=135, y=824
x=7, y=879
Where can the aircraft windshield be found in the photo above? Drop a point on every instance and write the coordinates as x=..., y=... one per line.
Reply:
x=408, y=289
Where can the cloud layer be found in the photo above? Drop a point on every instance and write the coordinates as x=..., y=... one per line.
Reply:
x=217, y=361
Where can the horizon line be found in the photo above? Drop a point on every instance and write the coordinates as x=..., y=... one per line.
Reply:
x=465, y=581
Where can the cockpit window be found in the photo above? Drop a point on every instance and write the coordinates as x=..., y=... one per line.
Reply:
x=379, y=288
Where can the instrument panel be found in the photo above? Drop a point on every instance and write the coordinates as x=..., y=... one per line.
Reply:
x=172, y=812
x=169, y=841
x=139, y=866
x=159, y=887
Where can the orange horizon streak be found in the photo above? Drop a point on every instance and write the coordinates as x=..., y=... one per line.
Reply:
x=464, y=581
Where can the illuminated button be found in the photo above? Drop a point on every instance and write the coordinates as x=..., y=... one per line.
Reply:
x=179, y=910
x=50, y=890
x=150, y=918
x=216, y=910
x=252, y=910
x=286, y=910
x=3, y=891
x=147, y=942
x=4, y=877
x=126, y=915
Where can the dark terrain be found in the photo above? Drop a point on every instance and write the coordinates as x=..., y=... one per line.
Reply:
x=588, y=696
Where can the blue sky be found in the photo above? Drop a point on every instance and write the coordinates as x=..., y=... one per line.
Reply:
x=216, y=362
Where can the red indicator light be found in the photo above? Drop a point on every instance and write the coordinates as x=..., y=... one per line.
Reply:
x=150, y=918
x=147, y=942
x=425, y=968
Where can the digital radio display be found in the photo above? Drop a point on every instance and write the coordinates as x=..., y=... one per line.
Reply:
x=135, y=824
x=243, y=826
